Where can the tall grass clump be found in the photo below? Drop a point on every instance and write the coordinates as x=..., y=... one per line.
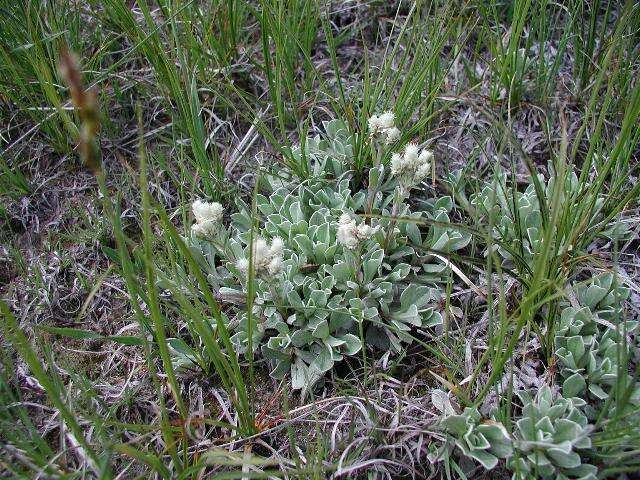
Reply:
x=32, y=36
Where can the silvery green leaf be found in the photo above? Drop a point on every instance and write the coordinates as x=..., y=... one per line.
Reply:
x=458, y=240
x=374, y=176
x=499, y=440
x=294, y=299
x=357, y=200
x=323, y=252
x=475, y=440
x=441, y=243
x=434, y=269
x=593, y=295
x=456, y=425
x=526, y=428
x=370, y=313
x=321, y=330
x=401, y=252
x=300, y=375
x=410, y=315
x=399, y=272
x=566, y=430
x=353, y=344
x=576, y=346
x=323, y=233
x=563, y=459
x=278, y=343
x=197, y=253
x=317, y=218
x=232, y=295
x=414, y=295
x=319, y=298
x=584, y=472
x=431, y=318
x=487, y=460
x=437, y=230
x=300, y=338
x=282, y=225
x=333, y=342
x=356, y=303
x=324, y=361
x=183, y=353
x=442, y=402
x=241, y=221
x=413, y=233
x=444, y=203
x=597, y=391
x=264, y=205
x=554, y=411
x=352, y=285
x=282, y=327
x=328, y=282
x=372, y=264
x=574, y=385
x=334, y=127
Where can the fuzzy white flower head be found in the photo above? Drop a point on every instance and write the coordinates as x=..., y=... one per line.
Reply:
x=411, y=154
x=425, y=156
x=397, y=163
x=365, y=232
x=374, y=124
x=204, y=229
x=422, y=172
x=277, y=247
x=350, y=235
x=243, y=265
x=384, y=125
x=346, y=231
x=345, y=219
x=207, y=211
x=391, y=135
x=387, y=119
x=261, y=253
x=424, y=166
x=275, y=266
x=412, y=167
x=266, y=259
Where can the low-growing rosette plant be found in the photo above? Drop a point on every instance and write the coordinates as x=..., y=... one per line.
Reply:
x=603, y=294
x=593, y=341
x=483, y=440
x=545, y=442
x=549, y=436
x=515, y=216
x=327, y=264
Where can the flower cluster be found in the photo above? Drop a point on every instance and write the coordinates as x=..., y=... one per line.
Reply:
x=208, y=216
x=411, y=167
x=352, y=235
x=266, y=259
x=384, y=125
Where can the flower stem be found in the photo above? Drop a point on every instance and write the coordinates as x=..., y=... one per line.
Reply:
x=371, y=189
x=394, y=217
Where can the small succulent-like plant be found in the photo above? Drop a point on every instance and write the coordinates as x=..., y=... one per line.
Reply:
x=517, y=217
x=483, y=440
x=329, y=265
x=603, y=294
x=590, y=347
x=508, y=209
x=619, y=229
x=548, y=436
